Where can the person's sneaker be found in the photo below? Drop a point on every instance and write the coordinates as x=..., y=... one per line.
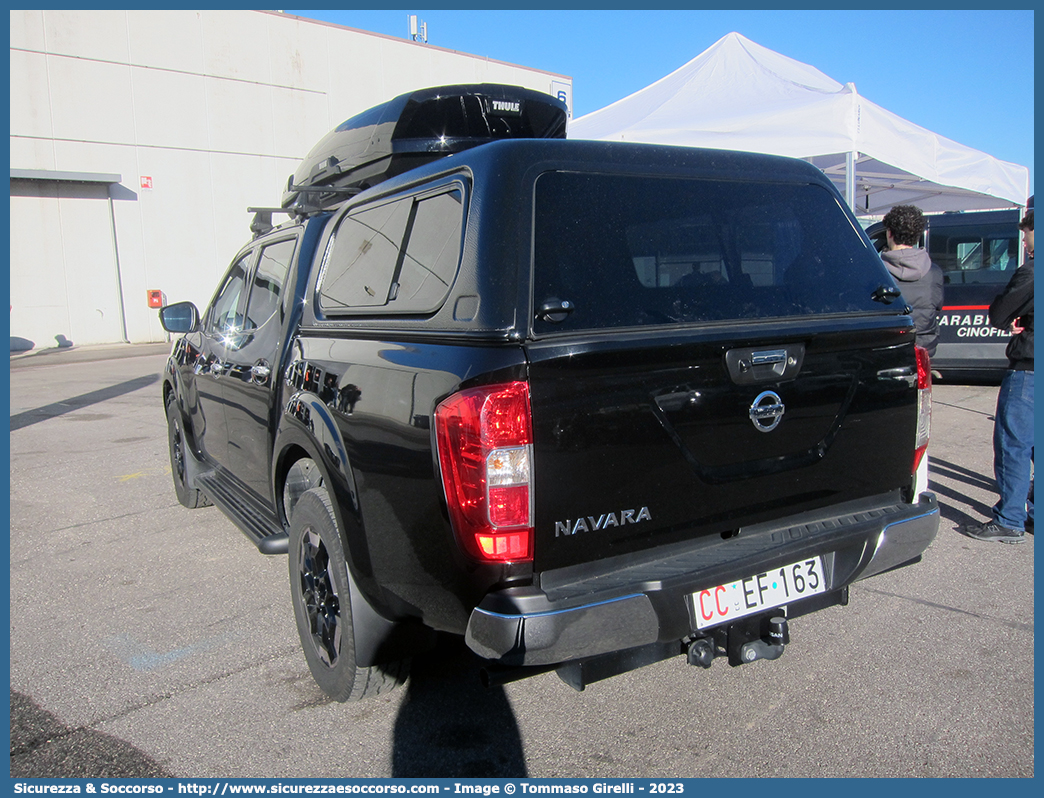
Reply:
x=992, y=531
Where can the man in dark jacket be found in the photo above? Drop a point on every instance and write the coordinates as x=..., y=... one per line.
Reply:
x=920, y=280
x=1013, y=428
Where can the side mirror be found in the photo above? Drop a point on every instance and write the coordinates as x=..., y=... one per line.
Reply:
x=181, y=317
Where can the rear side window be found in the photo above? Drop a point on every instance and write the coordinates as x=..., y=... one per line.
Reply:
x=637, y=251
x=267, y=285
x=399, y=257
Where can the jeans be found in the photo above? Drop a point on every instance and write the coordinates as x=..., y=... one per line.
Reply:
x=1013, y=450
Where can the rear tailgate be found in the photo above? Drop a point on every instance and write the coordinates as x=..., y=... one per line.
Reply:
x=641, y=441
x=706, y=354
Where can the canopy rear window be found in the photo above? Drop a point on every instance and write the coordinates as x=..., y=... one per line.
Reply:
x=631, y=251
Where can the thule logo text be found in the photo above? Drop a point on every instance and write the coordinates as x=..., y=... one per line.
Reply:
x=505, y=106
x=593, y=523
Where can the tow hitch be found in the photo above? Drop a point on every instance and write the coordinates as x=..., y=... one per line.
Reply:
x=748, y=640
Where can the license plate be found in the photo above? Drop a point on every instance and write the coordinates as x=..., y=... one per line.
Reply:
x=759, y=592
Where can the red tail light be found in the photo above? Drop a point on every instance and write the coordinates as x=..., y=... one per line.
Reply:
x=484, y=438
x=924, y=405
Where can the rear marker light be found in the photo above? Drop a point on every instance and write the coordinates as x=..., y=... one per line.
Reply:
x=484, y=439
x=924, y=405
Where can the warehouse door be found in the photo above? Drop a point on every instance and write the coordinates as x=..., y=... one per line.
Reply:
x=63, y=265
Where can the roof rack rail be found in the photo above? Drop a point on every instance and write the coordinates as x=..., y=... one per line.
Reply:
x=262, y=221
x=416, y=128
x=320, y=198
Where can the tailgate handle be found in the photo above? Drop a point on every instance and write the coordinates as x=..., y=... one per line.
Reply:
x=754, y=365
x=768, y=358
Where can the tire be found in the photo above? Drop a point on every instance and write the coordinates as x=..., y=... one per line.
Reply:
x=188, y=497
x=320, y=592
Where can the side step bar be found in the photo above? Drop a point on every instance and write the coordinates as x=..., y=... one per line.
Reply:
x=256, y=523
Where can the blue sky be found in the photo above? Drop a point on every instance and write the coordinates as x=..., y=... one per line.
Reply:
x=966, y=75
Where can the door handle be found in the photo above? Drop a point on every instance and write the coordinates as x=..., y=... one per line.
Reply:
x=260, y=372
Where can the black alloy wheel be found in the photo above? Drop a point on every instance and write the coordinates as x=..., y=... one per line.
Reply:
x=321, y=594
x=187, y=496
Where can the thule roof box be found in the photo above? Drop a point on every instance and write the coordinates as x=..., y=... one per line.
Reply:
x=412, y=130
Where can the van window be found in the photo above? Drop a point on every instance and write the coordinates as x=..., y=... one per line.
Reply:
x=399, y=257
x=637, y=251
x=975, y=252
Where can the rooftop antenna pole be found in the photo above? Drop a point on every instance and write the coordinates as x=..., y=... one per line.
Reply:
x=418, y=33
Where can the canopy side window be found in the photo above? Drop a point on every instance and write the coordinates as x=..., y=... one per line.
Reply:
x=398, y=257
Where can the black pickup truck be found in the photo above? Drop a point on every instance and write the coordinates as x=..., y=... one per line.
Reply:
x=589, y=405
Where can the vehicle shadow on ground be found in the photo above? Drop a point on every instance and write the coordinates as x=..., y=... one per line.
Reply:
x=449, y=725
x=951, y=473
x=30, y=417
x=42, y=747
x=21, y=344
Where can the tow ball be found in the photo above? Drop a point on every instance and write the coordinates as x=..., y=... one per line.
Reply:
x=745, y=641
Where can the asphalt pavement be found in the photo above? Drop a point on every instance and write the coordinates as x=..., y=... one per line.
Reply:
x=148, y=640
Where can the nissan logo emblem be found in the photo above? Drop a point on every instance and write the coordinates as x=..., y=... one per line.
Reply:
x=766, y=411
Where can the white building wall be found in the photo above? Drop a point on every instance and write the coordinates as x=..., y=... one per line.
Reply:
x=217, y=107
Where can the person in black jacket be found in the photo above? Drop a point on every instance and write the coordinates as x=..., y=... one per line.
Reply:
x=1013, y=428
x=920, y=280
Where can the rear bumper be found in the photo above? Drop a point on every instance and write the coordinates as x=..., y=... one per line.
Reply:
x=626, y=602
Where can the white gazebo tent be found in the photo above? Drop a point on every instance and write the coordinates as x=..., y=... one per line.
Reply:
x=738, y=95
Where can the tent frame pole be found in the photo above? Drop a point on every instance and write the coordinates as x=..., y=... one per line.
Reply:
x=850, y=179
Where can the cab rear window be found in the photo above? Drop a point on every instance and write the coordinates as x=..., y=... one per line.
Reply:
x=631, y=251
